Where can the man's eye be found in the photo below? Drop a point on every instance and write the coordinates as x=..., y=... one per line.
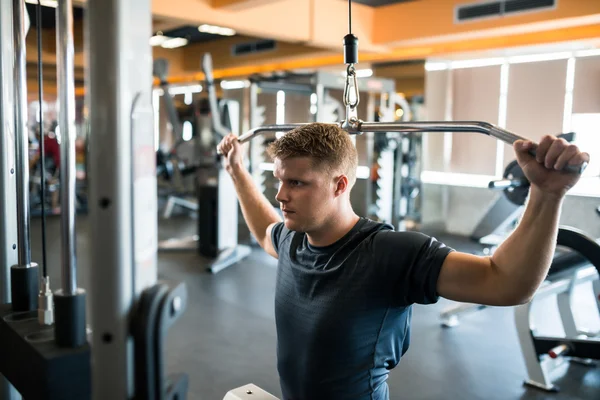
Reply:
x=295, y=183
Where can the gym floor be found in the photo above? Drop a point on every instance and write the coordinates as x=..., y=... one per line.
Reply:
x=226, y=337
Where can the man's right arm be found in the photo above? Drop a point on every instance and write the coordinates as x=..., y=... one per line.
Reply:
x=258, y=212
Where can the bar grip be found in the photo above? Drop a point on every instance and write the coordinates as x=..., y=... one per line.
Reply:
x=511, y=138
x=559, y=351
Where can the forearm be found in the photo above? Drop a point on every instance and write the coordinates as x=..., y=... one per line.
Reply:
x=522, y=261
x=257, y=210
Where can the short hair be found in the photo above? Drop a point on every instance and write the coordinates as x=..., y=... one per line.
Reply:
x=327, y=145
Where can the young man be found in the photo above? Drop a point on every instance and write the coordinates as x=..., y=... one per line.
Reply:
x=345, y=284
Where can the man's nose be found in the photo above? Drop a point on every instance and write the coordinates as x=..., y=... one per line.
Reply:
x=281, y=195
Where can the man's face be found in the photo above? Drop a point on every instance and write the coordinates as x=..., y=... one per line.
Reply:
x=306, y=194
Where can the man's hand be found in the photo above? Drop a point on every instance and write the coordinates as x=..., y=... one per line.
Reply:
x=544, y=171
x=232, y=152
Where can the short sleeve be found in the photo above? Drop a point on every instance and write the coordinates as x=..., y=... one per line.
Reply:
x=276, y=235
x=412, y=261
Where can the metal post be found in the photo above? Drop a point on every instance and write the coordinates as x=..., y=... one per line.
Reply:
x=122, y=165
x=22, y=145
x=8, y=207
x=66, y=121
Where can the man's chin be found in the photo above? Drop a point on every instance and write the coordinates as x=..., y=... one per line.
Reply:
x=292, y=225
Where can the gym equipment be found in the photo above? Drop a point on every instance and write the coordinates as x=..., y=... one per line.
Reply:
x=249, y=392
x=565, y=265
x=319, y=88
x=500, y=218
x=53, y=361
x=503, y=213
x=172, y=173
x=217, y=206
x=540, y=352
x=32, y=350
x=123, y=203
x=8, y=187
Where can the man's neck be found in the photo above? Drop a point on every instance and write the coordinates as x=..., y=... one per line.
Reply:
x=335, y=229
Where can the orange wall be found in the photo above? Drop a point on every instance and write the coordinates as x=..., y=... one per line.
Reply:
x=239, y=4
x=286, y=19
x=422, y=19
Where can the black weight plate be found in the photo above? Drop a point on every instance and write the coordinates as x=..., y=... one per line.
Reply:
x=516, y=195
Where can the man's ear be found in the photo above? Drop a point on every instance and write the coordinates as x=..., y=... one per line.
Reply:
x=341, y=185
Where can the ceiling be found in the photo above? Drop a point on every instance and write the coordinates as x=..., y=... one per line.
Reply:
x=378, y=3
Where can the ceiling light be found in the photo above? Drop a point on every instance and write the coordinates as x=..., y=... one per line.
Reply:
x=435, y=66
x=158, y=40
x=45, y=3
x=175, y=90
x=226, y=85
x=173, y=43
x=216, y=30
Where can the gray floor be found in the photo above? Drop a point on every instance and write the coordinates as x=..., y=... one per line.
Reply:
x=227, y=336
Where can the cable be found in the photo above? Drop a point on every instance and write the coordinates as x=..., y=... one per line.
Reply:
x=350, y=17
x=38, y=17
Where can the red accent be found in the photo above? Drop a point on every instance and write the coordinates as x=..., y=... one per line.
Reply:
x=552, y=354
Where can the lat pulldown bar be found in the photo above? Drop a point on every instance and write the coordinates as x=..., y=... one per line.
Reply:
x=413, y=127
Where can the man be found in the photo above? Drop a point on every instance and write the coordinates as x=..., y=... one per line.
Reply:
x=345, y=284
x=52, y=168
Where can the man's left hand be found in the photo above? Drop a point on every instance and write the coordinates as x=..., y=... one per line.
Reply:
x=545, y=170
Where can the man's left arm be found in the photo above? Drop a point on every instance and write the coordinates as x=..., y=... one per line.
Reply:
x=519, y=265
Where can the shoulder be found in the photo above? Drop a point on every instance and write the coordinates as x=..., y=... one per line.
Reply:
x=402, y=239
x=279, y=234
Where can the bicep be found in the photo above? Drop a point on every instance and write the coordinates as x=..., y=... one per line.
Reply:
x=471, y=279
x=267, y=244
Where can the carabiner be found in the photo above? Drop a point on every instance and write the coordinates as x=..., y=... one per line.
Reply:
x=351, y=81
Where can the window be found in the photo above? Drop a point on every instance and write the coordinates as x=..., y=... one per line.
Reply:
x=588, y=139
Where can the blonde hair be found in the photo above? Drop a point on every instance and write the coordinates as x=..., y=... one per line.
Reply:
x=326, y=144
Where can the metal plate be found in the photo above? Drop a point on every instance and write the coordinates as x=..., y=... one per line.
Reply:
x=516, y=195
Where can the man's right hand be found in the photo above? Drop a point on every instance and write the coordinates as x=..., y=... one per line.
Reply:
x=232, y=153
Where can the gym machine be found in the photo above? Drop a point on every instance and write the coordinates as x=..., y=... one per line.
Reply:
x=355, y=126
x=541, y=353
x=171, y=171
x=504, y=212
x=45, y=350
x=501, y=217
x=217, y=205
x=319, y=89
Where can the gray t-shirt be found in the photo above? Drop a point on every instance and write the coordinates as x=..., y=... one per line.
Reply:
x=343, y=311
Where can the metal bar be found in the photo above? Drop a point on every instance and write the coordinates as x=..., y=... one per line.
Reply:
x=66, y=96
x=267, y=128
x=159, y=70
x=582, y=348
x=21, y=142
x=215, y=114
x=8, y=206
x=417, y=126
x=583, y=275
x=122, y=195
x=442, y=126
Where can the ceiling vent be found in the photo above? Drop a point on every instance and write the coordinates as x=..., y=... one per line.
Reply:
x=501, y=8
x=242, y=49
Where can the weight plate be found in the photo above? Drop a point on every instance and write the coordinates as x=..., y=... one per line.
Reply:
x=519, y=194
